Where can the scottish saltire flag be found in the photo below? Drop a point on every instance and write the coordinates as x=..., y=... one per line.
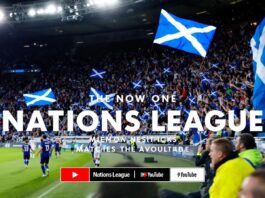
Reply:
x=166, y=70
x=206, y=80
x=98, y=98
x=192, y=100
x=161, y=112
x=214, y=94
x=99, y=74
x=183, y=34
x=40, y=98
x=258, y=51
x=215, y=65
x=232, y=66
x=137, y=84
x=145, y=117
x=159, y=84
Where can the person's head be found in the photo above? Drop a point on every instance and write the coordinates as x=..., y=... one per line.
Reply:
x=44, y=137
x=244, y=142
x=254, y=185
x=26, y=140
x=220, y=149
x=127, y=189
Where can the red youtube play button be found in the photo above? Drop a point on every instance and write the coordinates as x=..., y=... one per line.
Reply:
x=75, y=175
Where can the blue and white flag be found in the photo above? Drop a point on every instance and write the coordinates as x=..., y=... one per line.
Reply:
x=214, y=94
x=183, y=34
x=166, y=70
x=232, y=66
x=192, y=100
x=156, y=106
x=258, y=50
x=206, y=80
x=145, y=117
x=159, y=84
x=215, y=65
x=98, y=98
x=40, y=98
x=99, y=74
x=162, y=112
x=137, y=84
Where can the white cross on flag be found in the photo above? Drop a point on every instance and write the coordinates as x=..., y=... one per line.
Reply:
x=183, y=34
x=40, y=98
x=258, y=50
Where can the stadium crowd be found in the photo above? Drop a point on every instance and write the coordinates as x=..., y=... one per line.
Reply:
x=222, y=81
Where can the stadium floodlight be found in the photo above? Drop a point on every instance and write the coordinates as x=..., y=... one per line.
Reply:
x=111, y=2
x=2, y=16
x=59, y=9
x=50, y=9
x=40, y=11
x=31, y=12
x=103, y=3
x=90, y=3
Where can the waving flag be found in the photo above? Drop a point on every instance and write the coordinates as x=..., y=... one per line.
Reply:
x=206, y=80
x=97, y=73
x=183, y=34
x=137, y=84
x=166, y=70
x=232, y=66
x=98, y=98
x=215, y=65
x=192, y=100
x=156, y=106
x=159, y=84
x=214, y=94
x=145, y=117
x=40, y=98
x=258, y=51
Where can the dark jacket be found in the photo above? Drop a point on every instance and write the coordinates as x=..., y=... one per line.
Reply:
x=204, y=160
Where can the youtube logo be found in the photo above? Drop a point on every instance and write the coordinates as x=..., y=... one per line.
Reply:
x=75, y=174
x=144, y=174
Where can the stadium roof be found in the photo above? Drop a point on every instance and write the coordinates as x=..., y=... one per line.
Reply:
x=134, y=21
